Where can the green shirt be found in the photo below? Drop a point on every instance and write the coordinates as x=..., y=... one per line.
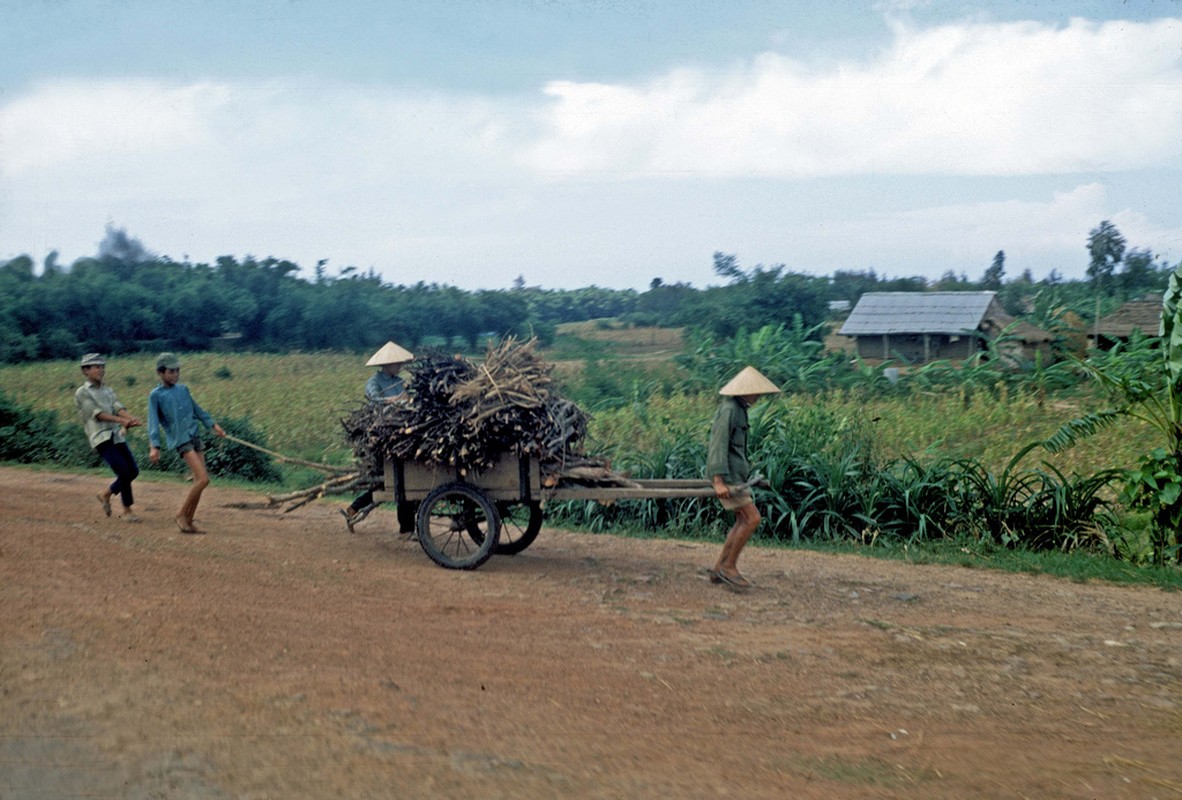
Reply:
x=91, y=400
x=727, y=454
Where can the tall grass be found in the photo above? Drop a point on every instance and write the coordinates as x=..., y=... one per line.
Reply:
x=844, y=466
x=834, y=477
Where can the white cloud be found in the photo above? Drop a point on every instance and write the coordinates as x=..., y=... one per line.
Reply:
x=282, y=167
x=969, y=99
x=1036, y=234
x=474, y=190
x=75, y=121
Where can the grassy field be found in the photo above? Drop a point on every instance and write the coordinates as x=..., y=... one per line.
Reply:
x=298, y=400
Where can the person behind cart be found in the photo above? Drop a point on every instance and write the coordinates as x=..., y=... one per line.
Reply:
x=728, y=470
x=384, y=386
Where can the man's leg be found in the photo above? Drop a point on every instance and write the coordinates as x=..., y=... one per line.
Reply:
x=357, y=510
x=195, y=459
x=106, y=452
x=747, y=519
x=407, y=512
x=362, y=502
x=120, y=459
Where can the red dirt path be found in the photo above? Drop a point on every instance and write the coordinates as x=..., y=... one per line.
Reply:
x=280, y=657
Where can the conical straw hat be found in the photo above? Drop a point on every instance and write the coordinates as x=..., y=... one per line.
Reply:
x=749, y=381
x=390, y=354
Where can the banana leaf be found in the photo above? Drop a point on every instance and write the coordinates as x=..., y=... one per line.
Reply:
x=1171, y=329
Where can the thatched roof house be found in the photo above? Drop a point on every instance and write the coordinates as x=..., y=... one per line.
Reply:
x=918, y=327
x=1136, y=315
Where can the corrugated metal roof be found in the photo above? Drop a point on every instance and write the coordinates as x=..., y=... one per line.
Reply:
x=917, y=312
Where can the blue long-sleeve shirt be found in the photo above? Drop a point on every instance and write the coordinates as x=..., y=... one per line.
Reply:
x=380, y=386
x=174, y=409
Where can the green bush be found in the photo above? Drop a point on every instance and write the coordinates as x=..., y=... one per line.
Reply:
x=31, y=436
x=223, y=458
x=830, y=483
x=230, y=459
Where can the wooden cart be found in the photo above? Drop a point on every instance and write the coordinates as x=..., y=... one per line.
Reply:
x=463, y=519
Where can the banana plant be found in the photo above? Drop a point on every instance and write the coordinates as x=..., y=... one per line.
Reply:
x=1155, y=398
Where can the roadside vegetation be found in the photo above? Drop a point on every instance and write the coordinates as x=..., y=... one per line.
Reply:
x=1038, y=467
x=945, y=473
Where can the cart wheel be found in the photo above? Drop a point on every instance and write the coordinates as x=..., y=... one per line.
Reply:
x=520, y=524
x=457, y=526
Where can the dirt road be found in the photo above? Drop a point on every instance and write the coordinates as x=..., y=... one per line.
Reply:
x=280, y=657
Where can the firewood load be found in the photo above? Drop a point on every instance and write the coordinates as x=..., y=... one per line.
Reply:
x=467, y=415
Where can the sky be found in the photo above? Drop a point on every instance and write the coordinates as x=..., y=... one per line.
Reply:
x=572, y=143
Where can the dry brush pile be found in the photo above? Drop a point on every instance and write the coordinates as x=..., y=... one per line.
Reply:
x=466, y=415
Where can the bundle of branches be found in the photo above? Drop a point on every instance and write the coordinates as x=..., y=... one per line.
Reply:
x=466, y=415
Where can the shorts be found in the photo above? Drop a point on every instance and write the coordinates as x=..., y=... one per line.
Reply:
x=740, y=497
x=194, y=445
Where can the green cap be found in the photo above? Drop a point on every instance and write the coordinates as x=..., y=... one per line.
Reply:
x=167, y=361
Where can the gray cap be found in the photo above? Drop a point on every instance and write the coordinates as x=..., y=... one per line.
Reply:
x=167, y=361
x=93, y=360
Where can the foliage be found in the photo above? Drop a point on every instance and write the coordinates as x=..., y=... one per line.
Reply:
x=1106, y=248
x=1038, y=509
x=230, y=459
x=257, y=305
x=1151, y=393
x=29, y=436
x=253, y=304
x=1078, y=566
x=791, y=356
x=845, y=466
x=830, y=481
x=1155, y=486
x=756, y=298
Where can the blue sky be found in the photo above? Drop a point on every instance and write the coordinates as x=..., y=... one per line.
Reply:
x=593, y=142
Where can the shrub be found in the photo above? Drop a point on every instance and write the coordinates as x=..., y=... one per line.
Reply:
x=31, y=436
x=230, y=459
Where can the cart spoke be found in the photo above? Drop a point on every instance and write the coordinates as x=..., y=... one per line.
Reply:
x=458, y=526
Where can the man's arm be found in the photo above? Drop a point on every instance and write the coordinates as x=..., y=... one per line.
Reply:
x=717, y=454
x=154, y=423
x=206, y=419
x=154, y=427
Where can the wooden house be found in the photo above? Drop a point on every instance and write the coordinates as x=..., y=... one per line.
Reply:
x=919, y=327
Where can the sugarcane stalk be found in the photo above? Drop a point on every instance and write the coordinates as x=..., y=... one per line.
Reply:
x=342, y=479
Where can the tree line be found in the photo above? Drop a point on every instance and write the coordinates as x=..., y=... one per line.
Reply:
x=127, y=299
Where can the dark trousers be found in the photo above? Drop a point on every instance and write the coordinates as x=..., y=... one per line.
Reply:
x=406, y=511
x=363, y=501
x=120, y=459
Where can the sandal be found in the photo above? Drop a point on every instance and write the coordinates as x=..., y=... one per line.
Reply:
x=184, y=526
x=105, y=502
x=736, y=583
x=710, y=573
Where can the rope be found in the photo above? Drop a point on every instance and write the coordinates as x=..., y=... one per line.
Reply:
x=322, y=467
